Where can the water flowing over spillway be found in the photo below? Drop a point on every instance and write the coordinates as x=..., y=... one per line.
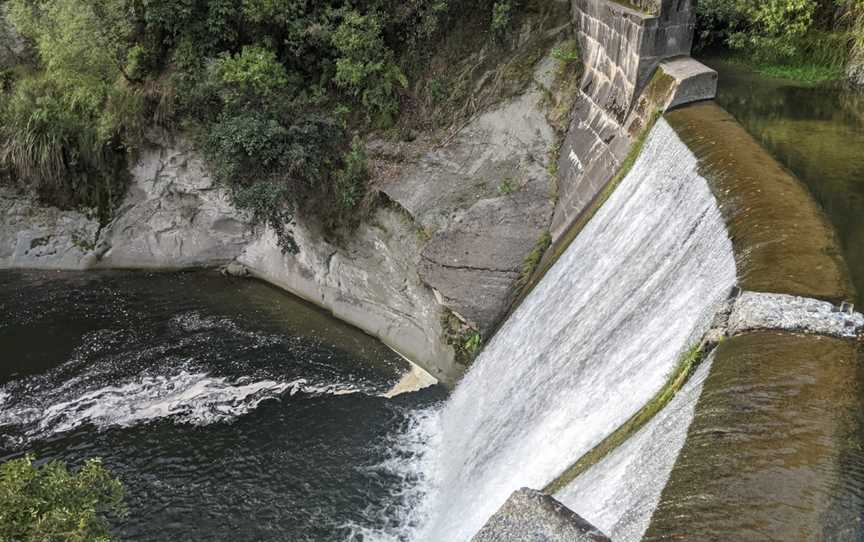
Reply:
x=591, y=345
x=620, y=492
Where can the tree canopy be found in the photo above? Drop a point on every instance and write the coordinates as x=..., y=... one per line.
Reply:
x=273, y=90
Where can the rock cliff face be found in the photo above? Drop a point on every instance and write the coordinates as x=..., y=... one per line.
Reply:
x=43, y=237
x=439, y=261
x=173, y=215
x=484, y=199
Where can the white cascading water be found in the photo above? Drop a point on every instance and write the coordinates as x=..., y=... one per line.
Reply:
x=620, y=492
x=590, y=346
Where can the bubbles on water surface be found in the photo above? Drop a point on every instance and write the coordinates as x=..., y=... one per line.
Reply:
x=407, y=457
x=266, y=420
x=124, y=377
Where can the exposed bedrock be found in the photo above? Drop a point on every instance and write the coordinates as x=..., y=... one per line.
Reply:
x=485, y=199
x=173, y=215
x=44, y=237
x=370, y=281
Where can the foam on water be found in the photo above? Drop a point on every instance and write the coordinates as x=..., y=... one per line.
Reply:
x=590, y=346
x=407, y=456
x=191, y=398
x=185, y=397
x=107, y=383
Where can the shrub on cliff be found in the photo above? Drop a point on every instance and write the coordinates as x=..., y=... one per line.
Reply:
x=68, y=118
x=50, y=503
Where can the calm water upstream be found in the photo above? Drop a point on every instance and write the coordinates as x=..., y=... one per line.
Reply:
x=815, y=131
x=229, y=410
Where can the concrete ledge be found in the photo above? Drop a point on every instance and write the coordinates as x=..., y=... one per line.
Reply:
x=531, y=516
x=694, y=81
x=754, y=311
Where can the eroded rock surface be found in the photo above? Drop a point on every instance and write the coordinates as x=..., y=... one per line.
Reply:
x=36, y=237
x=173, y=215
x=463, y=216
x=485, y=198
x=370, y=281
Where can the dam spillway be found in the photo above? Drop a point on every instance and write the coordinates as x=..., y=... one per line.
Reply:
x=607, y=326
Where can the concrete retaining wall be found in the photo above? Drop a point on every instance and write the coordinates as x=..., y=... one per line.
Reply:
x=621, y=49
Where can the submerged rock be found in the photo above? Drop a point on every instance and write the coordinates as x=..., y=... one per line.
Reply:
x=531, y=516
x=235, y=269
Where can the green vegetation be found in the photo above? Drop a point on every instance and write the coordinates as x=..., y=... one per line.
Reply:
x=277, y=93
x=565, y=85
x=465, y=340
x=505, y=187
x=48, y=503
x=502, y=17
x=809, y=40
x=529, y=266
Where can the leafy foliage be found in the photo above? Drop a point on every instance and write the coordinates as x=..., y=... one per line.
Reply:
x=274, y=90
x=799, y=32
x=502, y=15
x=365, y=65
x=50, y=503
x=67, y=125
x=351, y=179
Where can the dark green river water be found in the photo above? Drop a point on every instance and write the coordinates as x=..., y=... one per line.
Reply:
x=815, y=131
x=229, y=410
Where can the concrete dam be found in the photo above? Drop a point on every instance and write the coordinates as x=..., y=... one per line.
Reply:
x=683, y=362
x=668, y=375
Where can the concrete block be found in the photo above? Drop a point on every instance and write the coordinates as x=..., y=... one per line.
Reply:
x=531, y=516
x=694, y=81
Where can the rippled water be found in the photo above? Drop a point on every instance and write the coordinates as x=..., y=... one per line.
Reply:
x=817, y=131
x=229, y=410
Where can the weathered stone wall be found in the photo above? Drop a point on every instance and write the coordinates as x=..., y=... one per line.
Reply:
x=597, y=143
x=621, y=49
